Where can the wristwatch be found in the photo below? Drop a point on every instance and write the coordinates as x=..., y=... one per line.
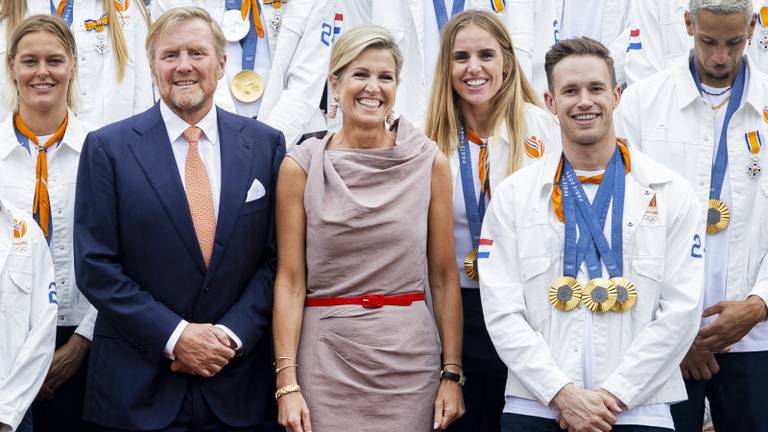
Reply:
x=452, y=376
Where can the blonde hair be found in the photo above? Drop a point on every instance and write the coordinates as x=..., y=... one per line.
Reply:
x=14, y=11
x=442, y=120
x=60, y=30
x=353, y=42
x=176, y=16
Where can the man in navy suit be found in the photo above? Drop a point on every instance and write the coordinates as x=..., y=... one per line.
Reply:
x=174, y=243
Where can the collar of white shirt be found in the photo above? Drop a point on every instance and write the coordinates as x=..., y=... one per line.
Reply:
x=175, y=125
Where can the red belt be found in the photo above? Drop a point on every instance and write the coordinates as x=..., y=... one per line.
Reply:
x=369, y=301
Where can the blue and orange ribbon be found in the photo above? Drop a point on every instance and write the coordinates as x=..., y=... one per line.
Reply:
x=98, y=24
x=252, y=5
x=498, y=5
x=754, y=142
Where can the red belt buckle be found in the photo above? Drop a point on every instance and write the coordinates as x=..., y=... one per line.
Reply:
x=373, y=301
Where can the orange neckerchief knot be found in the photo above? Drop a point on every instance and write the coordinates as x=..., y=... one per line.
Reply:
x=277, y=4
x=557, y=194
x=482, y=169
x=249, y=5
x=98, y=24
x=122, y=6
x=41, y=205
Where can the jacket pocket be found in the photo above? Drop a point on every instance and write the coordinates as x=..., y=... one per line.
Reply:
x=535, y=275
x=16, y=297
x=647, y=275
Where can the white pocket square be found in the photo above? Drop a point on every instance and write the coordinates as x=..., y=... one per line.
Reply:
x=255, y=192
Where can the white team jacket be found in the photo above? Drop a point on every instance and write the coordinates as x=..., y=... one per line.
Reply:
x=27, y=313
x=546, y=12
x=539, y=124
x=666, y=118
x=637, y=353
x=17, y=186
x=103, y=99
x=658, y=38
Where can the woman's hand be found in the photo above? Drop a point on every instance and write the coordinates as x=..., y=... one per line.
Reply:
x=292, y=413
x=449, y=404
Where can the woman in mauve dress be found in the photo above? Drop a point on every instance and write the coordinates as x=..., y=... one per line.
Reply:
x=363, y=215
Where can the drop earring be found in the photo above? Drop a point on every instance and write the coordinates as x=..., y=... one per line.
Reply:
x=332, y=109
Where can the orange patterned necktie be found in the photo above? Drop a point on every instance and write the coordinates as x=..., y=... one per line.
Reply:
x=41, y=205
x=199, y=195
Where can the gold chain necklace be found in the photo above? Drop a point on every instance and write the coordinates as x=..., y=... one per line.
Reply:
x=720, y=105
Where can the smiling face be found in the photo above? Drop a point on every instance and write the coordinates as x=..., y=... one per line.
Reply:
x=477, y=68
x=583, y=99
x=719, y=42
x=366, y=89
x=42, y=71
x=186, y=68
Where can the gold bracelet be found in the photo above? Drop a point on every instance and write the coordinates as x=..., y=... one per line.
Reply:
x=277, y=370
x=274, y=363
x=282, y=391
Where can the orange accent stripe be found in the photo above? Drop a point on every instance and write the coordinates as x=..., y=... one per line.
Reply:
x=754, y=142
x=41, y=205
x=557, y=193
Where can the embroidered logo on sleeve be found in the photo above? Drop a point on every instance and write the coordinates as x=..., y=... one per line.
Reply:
x=484, y=248
x=19, y=232
x=534, y=147
x=634, y=40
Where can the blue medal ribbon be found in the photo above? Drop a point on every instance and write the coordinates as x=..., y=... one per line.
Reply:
x=590, y=218
x=721, y=158
x=66, y=15
x=251, y=40
x=442, y=15
x=475, y=208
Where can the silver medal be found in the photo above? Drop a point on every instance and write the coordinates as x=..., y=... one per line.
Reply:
x=754, y=169
x=234, y=26
x=276, y=22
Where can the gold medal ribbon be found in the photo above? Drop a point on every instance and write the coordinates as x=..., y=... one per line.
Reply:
x=246, y=7
x=557, y=193
x=41, y=205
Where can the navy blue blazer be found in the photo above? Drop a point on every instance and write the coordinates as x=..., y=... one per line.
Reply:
x=138, y=261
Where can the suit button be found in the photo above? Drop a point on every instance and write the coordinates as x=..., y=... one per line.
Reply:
x=206, y=289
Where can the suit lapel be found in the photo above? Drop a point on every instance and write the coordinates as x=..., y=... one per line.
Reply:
x=236, y=159
x=153, y=152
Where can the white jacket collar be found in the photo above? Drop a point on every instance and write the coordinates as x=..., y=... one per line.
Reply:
x=74, y=136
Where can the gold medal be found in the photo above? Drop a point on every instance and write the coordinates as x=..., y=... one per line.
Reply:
x=565, y=293
x=599, y=295
x=626, y=294
x=470, y=264
x=247, y=86
x=718, y=216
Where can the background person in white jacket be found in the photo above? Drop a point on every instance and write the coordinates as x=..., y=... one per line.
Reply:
x=659, y=38
x=27, y=313
x=39, y=152
x=480, y=99
x=707, y=118
x=416, y=27
x=556, y=20
x=583, y=351
x=113, y=68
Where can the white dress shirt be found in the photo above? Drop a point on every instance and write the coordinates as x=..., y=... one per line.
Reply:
x=210, y=153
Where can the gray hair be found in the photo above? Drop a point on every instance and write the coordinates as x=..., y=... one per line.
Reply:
x=721, y=7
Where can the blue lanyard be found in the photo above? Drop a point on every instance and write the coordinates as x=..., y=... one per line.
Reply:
x=251, y=40
x=475, y=208
x=721, y=158
x=442, y=15
x=592, y=243
x=66, y=15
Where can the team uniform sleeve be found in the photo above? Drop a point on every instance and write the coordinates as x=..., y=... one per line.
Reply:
x=19, y=388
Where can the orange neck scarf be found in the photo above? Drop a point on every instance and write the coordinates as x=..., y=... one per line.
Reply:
x=249, y=5
x=41, y=206
x=482, y=168
x=557, y=193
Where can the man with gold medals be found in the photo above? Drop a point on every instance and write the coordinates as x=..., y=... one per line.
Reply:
x=706, y=117
x=589, y=289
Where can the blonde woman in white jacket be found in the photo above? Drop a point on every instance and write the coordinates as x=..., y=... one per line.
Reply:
x=113, y=68
x=485, y=117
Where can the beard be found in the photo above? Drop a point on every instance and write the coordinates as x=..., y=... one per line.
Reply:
x=187, y=101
